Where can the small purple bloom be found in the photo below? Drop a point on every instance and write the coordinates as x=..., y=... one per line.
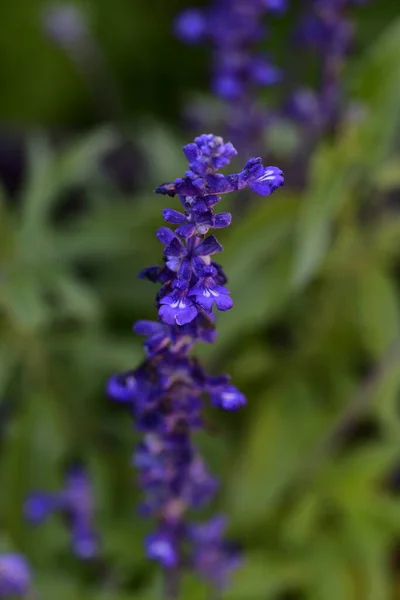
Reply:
x=264, y=73
x=228, y=397
x=158, y=336
x=177, y=309
x=122, y=388
x=65, y=23
x=267, y=182
x=15, y=576
x=222, y=220
x=190, y=26
x=207, y=292
x=277, y=6
x=160, y=547
x=227, y=86
x=213, y=557
x=74, y=500
x=173, y=216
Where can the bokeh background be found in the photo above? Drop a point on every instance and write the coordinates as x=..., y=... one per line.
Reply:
x=310, y=470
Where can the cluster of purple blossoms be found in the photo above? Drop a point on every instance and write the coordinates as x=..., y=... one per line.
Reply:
x=15, y=576
x=165, y=393
x=234, y=28
x=328, y=31
x=75, y=502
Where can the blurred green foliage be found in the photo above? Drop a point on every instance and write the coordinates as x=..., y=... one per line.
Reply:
x=313, y=340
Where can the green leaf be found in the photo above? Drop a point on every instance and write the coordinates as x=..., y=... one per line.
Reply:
x=377, y=306
x=258, y=237
x=332, y=177
x=332, y=577
x=51, y=173
x=23, y=300
x=387, y=177
x=263, y=576
x=280, y=434
x=371, y=562
x=258, y=298
x=9, y=359
x=162, y=151
x=377, y=85
x=385, y=238
x=351, y=480
x=76, y=298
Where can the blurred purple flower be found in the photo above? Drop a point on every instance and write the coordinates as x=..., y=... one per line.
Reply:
x=233, y=29
x=64, y=23
x=75, y=501
x=327, y=30
x=15, y=576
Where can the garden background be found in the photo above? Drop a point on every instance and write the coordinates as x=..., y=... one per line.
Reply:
x=310, y=469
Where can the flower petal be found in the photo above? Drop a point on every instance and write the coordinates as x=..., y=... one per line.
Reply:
x=208, y=246
x=173, y=216
x=186, y=315
x=186, y=231
x=165, y=235
x=223, y=302
x=222, y=220
x=175, y=248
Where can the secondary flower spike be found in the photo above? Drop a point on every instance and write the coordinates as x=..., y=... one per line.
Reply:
x=235, y=30
x=166, y=392
x=75, y=501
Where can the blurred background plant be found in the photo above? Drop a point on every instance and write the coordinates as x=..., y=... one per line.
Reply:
x=91, y=124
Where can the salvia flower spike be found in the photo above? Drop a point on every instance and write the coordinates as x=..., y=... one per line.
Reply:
x=166, y=392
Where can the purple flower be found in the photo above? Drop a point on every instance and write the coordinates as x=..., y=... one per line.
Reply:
x=65, y=23
x=158, y=336
x=190, y=25
x=262, y=72
x=326, y=30
x=277, y=6
x=177, y=308
x=160, y=546
x=264, y=180
x=207, y=292
x=15, y=576
x=121, y=388
x=213, y=557
x=228, y=397
x=75, y=501
x=166, y=392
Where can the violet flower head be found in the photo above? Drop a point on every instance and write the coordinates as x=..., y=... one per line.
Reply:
x=166, y=393
x=65, y=23
x=15, y=576
x=234, y=29
x=75, y=502
x=328, y=31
